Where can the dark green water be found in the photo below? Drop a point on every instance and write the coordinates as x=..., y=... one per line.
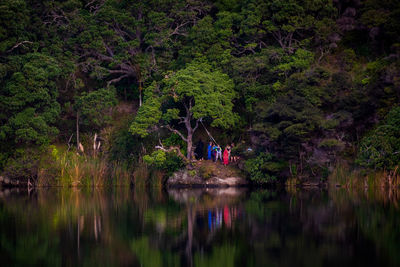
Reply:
x=228, y=227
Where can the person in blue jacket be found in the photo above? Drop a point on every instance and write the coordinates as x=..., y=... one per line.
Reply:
x=209, y=150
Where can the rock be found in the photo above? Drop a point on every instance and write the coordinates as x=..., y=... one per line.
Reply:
x=191, y=178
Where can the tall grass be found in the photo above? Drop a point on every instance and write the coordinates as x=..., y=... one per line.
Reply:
x=145, y=177
x=141, y=176
x=70, y=169
x=344, y=175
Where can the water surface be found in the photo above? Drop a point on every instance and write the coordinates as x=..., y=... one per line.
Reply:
x=215, y=227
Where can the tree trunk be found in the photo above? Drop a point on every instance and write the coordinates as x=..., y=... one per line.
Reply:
x=140, y=97
x=140, y=86
x=77, y=130
x=189, y=146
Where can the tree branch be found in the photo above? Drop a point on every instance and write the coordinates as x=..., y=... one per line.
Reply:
x=197, y=124
x=117, y=79
x=94, y=8
x=110, y=52
x=176, y=30
x=119, y=71
x=19, y=44
x=172, y=149
x=176, y=131
x=181, y=120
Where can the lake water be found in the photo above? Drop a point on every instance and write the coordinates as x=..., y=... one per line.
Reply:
x=215, y=227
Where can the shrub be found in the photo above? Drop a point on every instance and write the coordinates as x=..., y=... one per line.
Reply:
x=23, y=165
x=192, y=173
x=161, y=160
x=330, y=143
x=381, y=148
x=205, y=172
x=264, y=168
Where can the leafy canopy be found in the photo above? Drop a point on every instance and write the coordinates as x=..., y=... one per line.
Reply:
x=206, y=93
x=28, y=100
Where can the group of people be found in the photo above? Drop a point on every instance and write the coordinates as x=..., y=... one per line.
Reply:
x=214, y=152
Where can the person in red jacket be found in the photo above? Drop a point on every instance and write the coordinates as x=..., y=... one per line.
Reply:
x=226, y=155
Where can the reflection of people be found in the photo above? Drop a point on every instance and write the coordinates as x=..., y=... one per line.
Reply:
x=210, y=220
x=227, y=217
x=199, y=150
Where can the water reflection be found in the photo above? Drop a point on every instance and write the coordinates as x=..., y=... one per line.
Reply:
x=214, y=227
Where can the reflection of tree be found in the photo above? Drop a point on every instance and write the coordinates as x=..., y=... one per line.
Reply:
x=198, y=203
x=75, y=217
x=190, y=225
x=376, y=211
x=221, y=256
x=123, y=227
x=67, y=224
x=313, y=227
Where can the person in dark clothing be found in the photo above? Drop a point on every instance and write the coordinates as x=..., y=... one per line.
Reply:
x=199, y=150
x=214, y=152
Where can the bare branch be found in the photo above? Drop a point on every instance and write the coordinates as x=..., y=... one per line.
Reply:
x=181, y=120
x=19, y=44
x=91, y=2
x=197, y=124
x=103, y=57
x=94, y=8
x=176, y=30
x=69, y=142
x=119, y=71
x=117, y=79
x=172, y=149
x=110, y=52
x=176, y=131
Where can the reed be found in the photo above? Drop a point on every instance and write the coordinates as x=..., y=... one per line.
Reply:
x=141, y=175
x=157, y=178
x=121, y=173
x=73, y=170
x=345, y=176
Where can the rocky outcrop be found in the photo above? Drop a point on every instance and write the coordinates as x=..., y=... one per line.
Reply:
x=224, y=177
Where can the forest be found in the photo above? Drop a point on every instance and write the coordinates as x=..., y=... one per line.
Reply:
x=105, y=88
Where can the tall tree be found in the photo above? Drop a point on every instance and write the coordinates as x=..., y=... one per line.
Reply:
x=126, y=41
x=28, y=105
x=93, y=109
x=185, y=98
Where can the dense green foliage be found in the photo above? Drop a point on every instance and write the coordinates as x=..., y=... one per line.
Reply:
x=381, y=148
x=93, y=106
x=263, y=168
x=304, y=80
